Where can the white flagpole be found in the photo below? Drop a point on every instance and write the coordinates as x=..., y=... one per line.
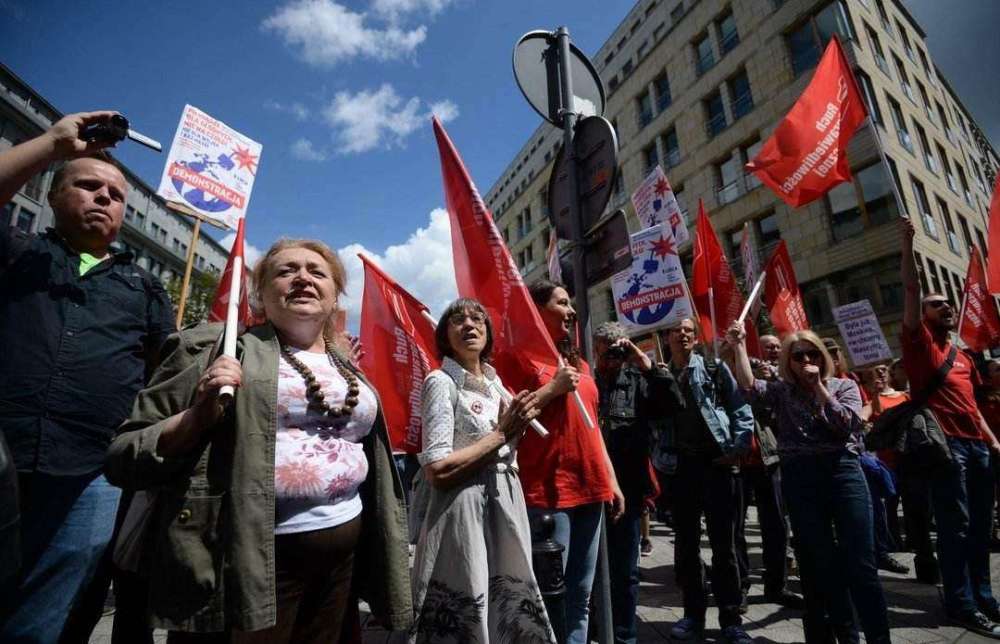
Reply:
x=232, y=320
x=495, y=385
x=715, y=329
x=754, y=293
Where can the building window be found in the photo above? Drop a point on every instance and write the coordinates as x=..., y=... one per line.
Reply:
x=897, y=119
x=33, y=189
x=177, y=245
x=768, y=233
x=715, y=114
x=946, y=278
x=931, y=116
x=658, y=31
x=982, y=244
x=924, y=207
x=906, y=41
x=750, y=152
x=923, y=63
x=883, y=16
x=25, y=219
x=650, y=158
x=627, y=68
x=904, y=80
x=645, y=107
x=729, y=175
x=899, y=184
x=807, y=42
x=739, y=91
x=662, y=87
x=966, y=193
x=129, y=214
x=946, y=166
x=641, y=51
x=921, y=273
x=949, y=226
x=816, y=302
x=681, y=200
x=613, y=83
x=871, y=100
x=925, y=149
x=877, y=50
x=964, y=225
x=935, y=280
x=677, y=13
x=865, y=202
x=728, y=36
x=704, y=57
x=671, y=148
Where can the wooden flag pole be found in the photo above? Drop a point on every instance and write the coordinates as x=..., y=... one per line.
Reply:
x=187, y=271
x=504, y=394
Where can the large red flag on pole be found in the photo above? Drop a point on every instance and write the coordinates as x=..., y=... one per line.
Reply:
x=807, y=154
x=781, y=293
x=979, y=324
x=220, y=304
x=399, y=352
x=993, y=241
x=714, y=290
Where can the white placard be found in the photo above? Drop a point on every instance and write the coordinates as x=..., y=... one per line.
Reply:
x=862, y=333
x=210, y=168
x=650, y=294
x=655, y=203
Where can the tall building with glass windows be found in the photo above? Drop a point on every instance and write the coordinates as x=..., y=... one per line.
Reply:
x=696, y=86
x=157, y=236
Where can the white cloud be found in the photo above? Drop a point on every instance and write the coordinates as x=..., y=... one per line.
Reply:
x=394, y=9
x=422, y=265
x=303, y=150
x=250, y=252
x=381, y=118
x=326, y=33
x=297, y=110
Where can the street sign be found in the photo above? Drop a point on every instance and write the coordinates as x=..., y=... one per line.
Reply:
x=608, y=248
x=536, y=70
x=596, y=149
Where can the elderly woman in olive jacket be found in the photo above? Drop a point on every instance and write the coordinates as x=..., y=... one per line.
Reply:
x=209, y=551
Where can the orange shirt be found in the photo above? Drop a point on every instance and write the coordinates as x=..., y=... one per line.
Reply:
x=567, y=468
x=888, y=456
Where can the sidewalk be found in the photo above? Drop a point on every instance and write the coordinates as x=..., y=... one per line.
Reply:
x=914, y=609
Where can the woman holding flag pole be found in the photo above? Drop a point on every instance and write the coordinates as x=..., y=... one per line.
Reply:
x=265, y=507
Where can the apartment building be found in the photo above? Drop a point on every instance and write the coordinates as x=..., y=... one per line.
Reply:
x=158, y=237
x=696, y=86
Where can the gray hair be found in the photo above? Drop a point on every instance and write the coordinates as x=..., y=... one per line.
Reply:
x=610, y=332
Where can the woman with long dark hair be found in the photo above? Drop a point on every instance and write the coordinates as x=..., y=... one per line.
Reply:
x=568, y=474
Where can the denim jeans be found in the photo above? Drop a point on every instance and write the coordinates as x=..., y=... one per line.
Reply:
x=962, y=498
x=765, y=482
x=623, y=564
x=705, y=488
x=831, y=513
x=578, y=531
x=66, y=524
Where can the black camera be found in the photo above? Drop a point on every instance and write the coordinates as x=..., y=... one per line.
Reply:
x=615, y=353
x=115, y=129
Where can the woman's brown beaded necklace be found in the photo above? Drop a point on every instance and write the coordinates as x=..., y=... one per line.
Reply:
x=314, y=391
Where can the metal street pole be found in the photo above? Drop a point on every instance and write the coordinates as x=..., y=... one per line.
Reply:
x=602, y=596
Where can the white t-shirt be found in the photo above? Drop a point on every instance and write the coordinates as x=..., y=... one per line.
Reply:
x=319, y=462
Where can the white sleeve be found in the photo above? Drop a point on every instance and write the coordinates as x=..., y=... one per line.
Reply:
x=438, y=418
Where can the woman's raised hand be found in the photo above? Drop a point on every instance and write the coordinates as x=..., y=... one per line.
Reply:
x=566, y=380
x=224, y=371
x=515, y=416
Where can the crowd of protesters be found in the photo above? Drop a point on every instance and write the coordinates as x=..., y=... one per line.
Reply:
x=266, y=516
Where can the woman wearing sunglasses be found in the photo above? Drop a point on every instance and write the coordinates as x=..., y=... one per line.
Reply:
x=818, y=431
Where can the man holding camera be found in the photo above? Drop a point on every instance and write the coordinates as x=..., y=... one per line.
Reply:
x=632, y=392
x=80, y=329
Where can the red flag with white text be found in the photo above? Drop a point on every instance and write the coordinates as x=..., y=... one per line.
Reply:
x=993, y=241
x=220, y=304
x=710, y=269
x=485, y=271
x=781, y=293
x=399, y=352
x=807, y=154
x=980, y=327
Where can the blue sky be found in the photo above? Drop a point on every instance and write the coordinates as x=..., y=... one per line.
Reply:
x=339, y=94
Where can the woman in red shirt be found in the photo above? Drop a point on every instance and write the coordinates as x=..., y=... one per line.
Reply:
x=568, y=474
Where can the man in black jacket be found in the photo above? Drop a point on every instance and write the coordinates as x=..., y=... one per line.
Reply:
x=633, y=391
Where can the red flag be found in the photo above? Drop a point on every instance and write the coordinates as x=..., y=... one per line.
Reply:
x=399, y=352
x=712, y=270
x=980, y=327
x=807, y=154
x=993, y=241
x=221, y=302
x=781, y=293
x=485, y=271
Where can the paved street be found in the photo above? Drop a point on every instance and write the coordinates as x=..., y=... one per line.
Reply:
x=914, y=609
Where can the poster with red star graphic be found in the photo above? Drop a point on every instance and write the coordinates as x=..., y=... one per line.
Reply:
x=210, y=169
x=655, y=203
x=651, y=293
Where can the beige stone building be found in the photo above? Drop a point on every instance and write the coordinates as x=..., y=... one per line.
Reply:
x=697, y=85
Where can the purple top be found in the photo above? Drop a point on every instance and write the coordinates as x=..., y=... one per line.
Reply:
x=803, y=426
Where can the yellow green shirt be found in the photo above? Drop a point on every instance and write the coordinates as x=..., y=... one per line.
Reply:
x=87, y=262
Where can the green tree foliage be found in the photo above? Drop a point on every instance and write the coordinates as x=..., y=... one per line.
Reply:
x=201, y=292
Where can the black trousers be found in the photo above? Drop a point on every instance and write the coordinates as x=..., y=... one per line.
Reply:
x=915, y=493
x=712, y=490
x=765, y=484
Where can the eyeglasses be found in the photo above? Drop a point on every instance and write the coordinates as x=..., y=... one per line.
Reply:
x=457, y=319
x=812, y=355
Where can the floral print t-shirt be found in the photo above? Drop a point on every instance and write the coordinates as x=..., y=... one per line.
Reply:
x=319, y=462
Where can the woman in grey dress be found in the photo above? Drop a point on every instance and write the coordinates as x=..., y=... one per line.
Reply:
x=472, y=577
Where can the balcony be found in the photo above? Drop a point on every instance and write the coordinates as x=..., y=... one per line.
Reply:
x=705, y=62
x=728, y=42
x=715, y=125
x=742, y=105
x=731, y=191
